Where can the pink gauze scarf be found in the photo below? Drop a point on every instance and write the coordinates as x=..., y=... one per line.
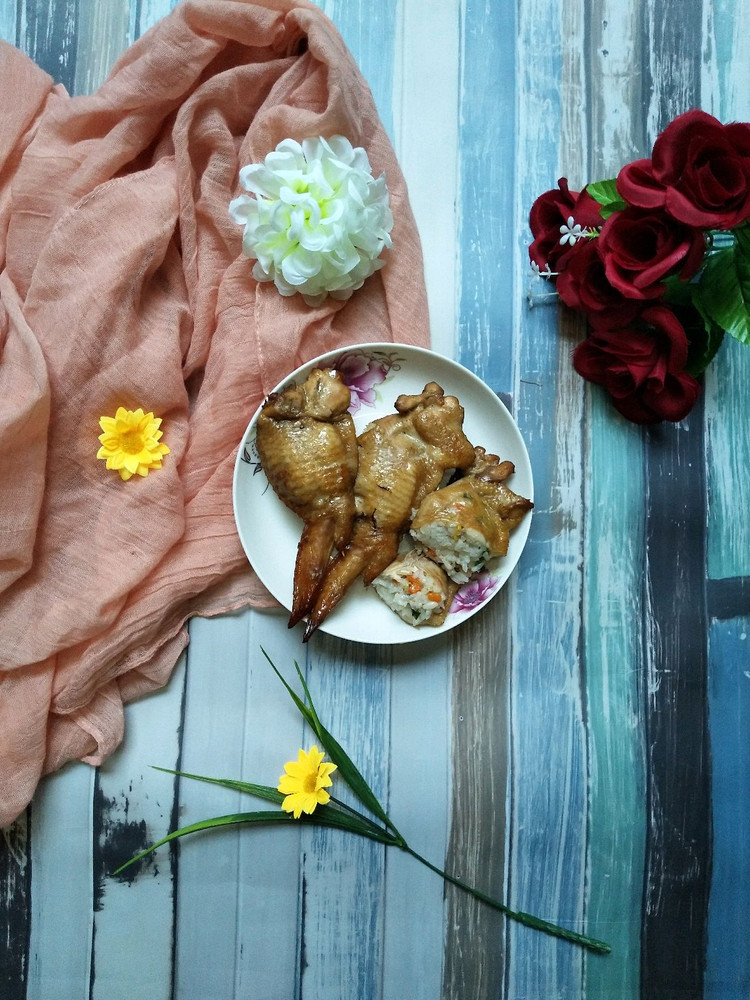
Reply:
x=123, y=284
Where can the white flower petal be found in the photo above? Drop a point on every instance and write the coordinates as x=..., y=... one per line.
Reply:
x=316, y=221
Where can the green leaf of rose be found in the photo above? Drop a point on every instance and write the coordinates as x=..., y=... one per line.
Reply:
x=723, y=292
x=607, y=195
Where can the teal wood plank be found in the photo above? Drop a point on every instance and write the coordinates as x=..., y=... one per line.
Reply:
x=613, y=655
x=727, y=94
x=147, y=12
x=728, y=960
x=62, y=891
x=728, y=453
x=134, y=806
x=8, y=21
x=614, y=567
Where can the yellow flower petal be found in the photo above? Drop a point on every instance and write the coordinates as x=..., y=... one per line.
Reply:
x=304, y=781
x=130, y=442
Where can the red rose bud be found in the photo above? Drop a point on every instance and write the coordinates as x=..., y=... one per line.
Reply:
x=583, y=286
x=552, y=210
x=642, y=367
x=640, y=248
x=699, y=172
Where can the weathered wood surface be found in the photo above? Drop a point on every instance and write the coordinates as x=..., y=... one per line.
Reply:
x=581, y=746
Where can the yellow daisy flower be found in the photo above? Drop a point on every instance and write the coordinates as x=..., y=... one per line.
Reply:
x=305, y=782
x=130, y=442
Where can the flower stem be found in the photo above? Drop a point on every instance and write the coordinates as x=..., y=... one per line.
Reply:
x=592, y=944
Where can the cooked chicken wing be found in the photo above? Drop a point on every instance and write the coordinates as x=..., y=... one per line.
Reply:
x=308, y=449
x=402, y=458
x=467, y=523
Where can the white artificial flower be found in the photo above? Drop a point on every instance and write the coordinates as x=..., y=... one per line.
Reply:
x=316, y=220
x=571, y=231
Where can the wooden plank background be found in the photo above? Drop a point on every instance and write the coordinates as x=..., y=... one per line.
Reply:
x=581, y=746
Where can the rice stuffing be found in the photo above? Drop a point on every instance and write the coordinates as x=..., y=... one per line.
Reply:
x=416, y=588
x=460, y=549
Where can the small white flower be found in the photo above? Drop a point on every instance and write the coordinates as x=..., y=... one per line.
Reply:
x=571, y=232
x=545, y=272
x=316, y=220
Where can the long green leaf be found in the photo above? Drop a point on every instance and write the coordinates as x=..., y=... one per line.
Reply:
x=323, y=816
x=259, y=791
x=347, y=768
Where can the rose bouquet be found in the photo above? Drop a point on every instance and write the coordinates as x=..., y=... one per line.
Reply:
x=658, y=261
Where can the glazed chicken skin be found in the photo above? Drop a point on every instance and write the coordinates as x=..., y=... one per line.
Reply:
x=402, y=458
x=468, y=522
x=307, y=446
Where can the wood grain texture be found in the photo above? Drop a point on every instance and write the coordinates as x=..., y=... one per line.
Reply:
x=727, y=975
x=546, y=851
x=134, y=806
x=679, y=830
x=614, y=550
x=15, y=900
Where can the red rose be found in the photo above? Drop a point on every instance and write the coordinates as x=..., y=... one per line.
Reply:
x=642, y=367
x=699, y=172
x=583, y=285
x=552, y=210
x=641, y=248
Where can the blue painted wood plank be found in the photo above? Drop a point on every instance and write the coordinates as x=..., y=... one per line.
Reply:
x=488, y=240
x=728, y=959
x=548, y=806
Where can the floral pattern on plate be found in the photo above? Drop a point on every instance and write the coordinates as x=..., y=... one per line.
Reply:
x=475, y=592
x=362, y=371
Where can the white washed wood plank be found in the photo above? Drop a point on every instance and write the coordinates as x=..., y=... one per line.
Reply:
x=61, y=885
x=425, y=128
x=418, y=803
x=727, y=378
x=135, y=806
x=343, y=875
x=239, y=723
x=103, y=35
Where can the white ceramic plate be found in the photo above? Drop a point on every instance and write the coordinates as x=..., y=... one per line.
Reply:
x=376, y=375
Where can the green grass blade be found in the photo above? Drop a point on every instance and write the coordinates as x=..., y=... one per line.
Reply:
x=323, y=816
x=259, y=791
x=263, y=816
